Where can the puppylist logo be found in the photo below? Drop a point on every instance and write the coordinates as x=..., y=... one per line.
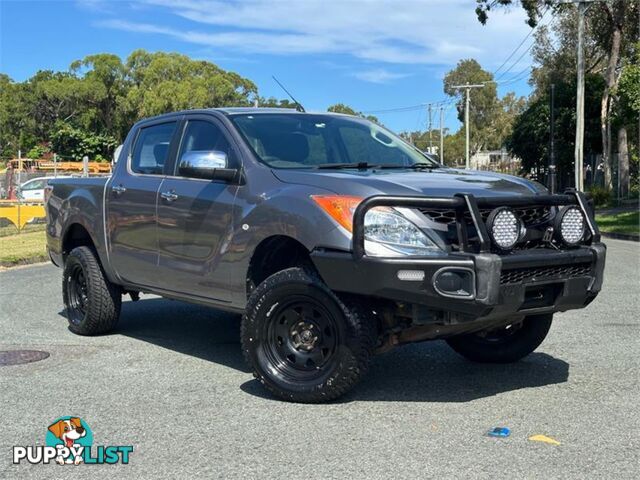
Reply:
x=69, y=441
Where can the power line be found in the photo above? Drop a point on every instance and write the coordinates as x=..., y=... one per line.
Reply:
x=448, y=102
x=516, y=61
x=520, y=45
x=515, y=78
x=409, y=108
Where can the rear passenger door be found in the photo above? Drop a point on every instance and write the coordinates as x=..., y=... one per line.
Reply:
x=131, y=203
x=195, y=216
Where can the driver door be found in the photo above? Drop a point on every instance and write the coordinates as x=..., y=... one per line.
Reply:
x=195, y=216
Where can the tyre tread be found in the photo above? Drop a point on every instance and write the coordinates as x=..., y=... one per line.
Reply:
x=361, y=324
x=105, y=298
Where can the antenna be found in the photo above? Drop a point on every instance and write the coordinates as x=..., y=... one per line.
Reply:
x=299, y=106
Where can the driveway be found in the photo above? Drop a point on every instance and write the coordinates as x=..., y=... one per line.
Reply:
x=171, y=382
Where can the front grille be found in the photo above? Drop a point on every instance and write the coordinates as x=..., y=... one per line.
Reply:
x=531, y=215
x=529, y=274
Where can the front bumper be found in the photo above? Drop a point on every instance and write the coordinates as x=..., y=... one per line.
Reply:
x=533, y=282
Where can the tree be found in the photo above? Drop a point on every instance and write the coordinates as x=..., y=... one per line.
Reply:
x=82, y=111
x=490, y=118
x=164, y=82
x=347, y=110
x=275, y=103
x=618, y=28
x=529, y=139
x=554, y=51
x=104, y=77
x=72, y=143
x=627, y=113
x=612, y=31
x=534, y=9
x=454, y=148
x=17, y=125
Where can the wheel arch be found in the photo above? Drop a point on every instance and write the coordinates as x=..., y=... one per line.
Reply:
x=76, y=235
x=273, y=254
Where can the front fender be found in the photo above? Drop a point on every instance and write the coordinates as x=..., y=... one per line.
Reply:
x=288, y=211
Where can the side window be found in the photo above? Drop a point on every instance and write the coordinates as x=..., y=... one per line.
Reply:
x=204, y=136
x=152, y=148
x=35, y=185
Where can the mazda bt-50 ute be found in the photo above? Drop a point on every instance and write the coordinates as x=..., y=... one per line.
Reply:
x=332, y=237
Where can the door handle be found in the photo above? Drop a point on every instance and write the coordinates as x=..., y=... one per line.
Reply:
x=118, y=189
x=170, y=196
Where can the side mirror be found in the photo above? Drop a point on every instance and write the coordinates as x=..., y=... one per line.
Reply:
x=207, y=164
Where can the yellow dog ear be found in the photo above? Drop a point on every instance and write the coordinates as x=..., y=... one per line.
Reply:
x=76, y=422
x=57, y=428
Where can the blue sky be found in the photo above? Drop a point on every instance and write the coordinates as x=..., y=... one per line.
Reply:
x=373, y=55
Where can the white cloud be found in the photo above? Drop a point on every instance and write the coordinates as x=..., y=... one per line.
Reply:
x=101, y=6
x=383, y=31
x=378, y=75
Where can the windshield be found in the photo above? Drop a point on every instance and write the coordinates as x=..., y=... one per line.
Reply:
x=284, y=140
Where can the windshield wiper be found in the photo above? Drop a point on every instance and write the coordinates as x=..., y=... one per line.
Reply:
x=358, y=165
x=366, y=165
x=415, y=166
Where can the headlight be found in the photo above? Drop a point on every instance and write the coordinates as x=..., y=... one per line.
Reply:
x=570, y=224
x=504, y=227
x=387, y=232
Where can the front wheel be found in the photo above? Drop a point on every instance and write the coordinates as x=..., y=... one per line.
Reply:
x=505, y=344
x=304, y=343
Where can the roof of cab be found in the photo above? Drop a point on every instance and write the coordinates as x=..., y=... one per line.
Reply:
x=233, y=111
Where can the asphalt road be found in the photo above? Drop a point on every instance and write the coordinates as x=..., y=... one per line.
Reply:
x=171, y=382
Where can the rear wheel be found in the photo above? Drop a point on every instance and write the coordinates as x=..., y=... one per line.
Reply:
x=303, y=342
x=92, y=303
x=505, y=344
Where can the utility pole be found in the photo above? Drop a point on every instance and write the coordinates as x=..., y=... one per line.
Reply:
x=552, y=142
x=19, y=167
x=441, y=152
x=430, y=139
x=579, y=148
x=467, y=87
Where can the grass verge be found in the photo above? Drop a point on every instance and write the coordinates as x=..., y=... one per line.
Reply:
x=628, y=223
x=23, y=248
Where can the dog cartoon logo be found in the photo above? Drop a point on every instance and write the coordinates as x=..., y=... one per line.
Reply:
x=70, y=435
x=69, y=441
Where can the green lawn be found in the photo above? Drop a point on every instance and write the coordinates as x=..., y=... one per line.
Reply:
x=23, y=248
x=628, y=223
x=10, y=229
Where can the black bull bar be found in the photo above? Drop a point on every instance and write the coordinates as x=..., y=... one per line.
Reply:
x=466, y=202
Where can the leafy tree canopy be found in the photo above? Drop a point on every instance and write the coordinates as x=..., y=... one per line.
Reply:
x=347, y=110
x=99, y=98
x=490, y=118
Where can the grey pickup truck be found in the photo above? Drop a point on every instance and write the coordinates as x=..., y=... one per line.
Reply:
x=334, y=239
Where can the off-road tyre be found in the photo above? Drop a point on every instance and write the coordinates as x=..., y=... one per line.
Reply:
x=273, y=340
x=92, y=303
x=502, y=346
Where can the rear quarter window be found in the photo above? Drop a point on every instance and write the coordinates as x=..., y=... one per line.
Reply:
x=151, y=149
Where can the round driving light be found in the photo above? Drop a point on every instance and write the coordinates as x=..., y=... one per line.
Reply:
x=571, y=225
x=504, y=228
